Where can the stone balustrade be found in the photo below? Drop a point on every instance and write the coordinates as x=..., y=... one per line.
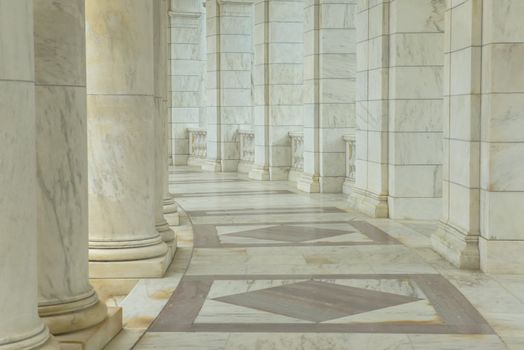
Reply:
x=197, y=145
x=247, y=150
x=350, y=162
x=297, y=155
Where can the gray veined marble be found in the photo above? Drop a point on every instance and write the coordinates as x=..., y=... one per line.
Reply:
x=67, y=302
x=121, y=119
x=20, y=326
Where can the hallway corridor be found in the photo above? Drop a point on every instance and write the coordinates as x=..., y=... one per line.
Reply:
x=273, y=268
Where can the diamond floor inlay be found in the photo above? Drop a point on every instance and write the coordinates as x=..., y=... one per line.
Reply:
x=288, y=233
x=316, y=301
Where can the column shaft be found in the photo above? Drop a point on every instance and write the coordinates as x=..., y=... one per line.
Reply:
x=121, y=140
x=160, y=41
x=20, y=326
x=67, y=301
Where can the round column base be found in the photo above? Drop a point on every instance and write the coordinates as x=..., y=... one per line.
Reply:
x=170, y=206
x=167, y=234
x=30, y=340
x=127, y=250
x=74, y=315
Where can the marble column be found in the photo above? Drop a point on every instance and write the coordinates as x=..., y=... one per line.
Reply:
x=329, y=92
x=67, y=301
x=160, y=58
x=20, y=326
x=369, y=194
x=186, y=74
x=229, y=80
x=169, y=206
x=416, y=62
x=458, y=234
x=481, y=223
x=398, y=107
x=279, y=62
x=123, y=241
x=501, y=241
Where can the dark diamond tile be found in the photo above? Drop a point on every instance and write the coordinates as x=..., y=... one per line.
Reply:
x=316, y=301
x=288, y=233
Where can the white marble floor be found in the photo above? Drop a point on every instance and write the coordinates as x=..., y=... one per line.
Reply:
x=263, y=266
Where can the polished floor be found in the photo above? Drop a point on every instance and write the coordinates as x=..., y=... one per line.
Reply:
x=263, y=266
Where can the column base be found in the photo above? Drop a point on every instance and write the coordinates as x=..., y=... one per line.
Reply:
x=51, y=344
x=144, y=268
x=212, y=165
x=501, y=257
x=37, y=338
x=219, y=166
x=347, y=187
x=74, y=315
x=457, y=247
x=369, y=203
x=244, y=167
x=260, y=173
x=194, y=161
x=308, y=183
x=294, y=174
x=96, y=337
x=278, y=173
x=415, y=208
x=171, y=210
x=163, y=229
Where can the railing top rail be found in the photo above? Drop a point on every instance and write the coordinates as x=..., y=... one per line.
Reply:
x=197, y=130
x=350, y=137
x=295, y=134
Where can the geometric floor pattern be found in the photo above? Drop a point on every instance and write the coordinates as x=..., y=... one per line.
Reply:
x=316, y=301
x=268, y=267
x=322, y=233
x=414, y=303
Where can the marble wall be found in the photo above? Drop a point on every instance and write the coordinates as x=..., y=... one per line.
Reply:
x=186, y=74
x=278, y=79
x=229, y=80
x=329, y=91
